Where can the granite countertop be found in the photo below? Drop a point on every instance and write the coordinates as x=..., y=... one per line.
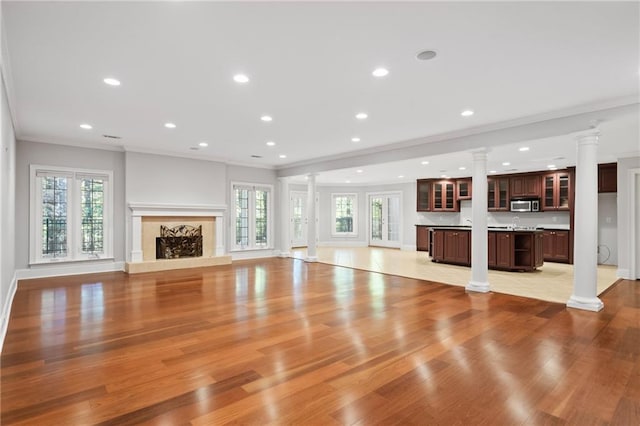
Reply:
x=491, y=228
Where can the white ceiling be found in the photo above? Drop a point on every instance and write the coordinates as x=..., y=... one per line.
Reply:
x=310, y=67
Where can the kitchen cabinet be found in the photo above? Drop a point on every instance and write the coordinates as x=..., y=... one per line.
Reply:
x=444, y=196
x=556, y=246
x=463, y=189
x=498, y=194
x=556, y=190
x=608, y=177
x=525, y=186
x=422, y=238
x=424, y=195
x=507, y=250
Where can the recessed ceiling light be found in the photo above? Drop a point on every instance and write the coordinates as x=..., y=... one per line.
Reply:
x=347, y=181
x=282, y=156
x=203, y=144
x=240, y=78
x=424, y=163
x=359, y=171
x=86, y=126
x=551, y=166
x=400, y=176
x=112, y=81
x=492, y=171
x=380, y=72
x=506, y=163
x=443, y=176
x=462, y=168
x=169, y=125
x=523, y=148
x=425, y=55
x=467, y=113
x=361, y=115
x=271, y=143
x=266, y=118
x=355, y=139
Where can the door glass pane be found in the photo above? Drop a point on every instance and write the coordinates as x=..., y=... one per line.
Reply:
x=393, y=219
x=437, y=196
x=376, y=219
x=449, y=201
x=491, y=195
x=563, y=192
x=297, y=219
x=503, y=188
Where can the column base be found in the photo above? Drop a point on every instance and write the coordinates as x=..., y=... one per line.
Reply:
x=478, y=287
x=593, y=304
x=284, y=254
x=311, y=259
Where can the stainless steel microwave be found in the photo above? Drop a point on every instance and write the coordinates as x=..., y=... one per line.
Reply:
x=525, y=205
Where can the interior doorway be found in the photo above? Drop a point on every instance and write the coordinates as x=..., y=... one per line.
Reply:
x=385, y=219
x=299, y=218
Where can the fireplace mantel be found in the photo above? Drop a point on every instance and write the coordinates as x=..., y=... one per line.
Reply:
x=140, y=210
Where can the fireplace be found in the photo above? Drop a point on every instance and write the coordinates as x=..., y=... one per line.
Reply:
x=179, y=241
x=168, y=236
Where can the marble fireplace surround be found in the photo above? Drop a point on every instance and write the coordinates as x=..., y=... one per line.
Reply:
x=212, y=255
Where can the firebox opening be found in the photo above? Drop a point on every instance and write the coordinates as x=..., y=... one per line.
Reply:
x=179, y=241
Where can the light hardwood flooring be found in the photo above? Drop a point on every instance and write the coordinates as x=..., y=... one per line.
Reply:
x=552, y=282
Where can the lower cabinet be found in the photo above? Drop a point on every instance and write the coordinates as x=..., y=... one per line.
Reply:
x=509, y=250
x=556, y=246
x=422, y=238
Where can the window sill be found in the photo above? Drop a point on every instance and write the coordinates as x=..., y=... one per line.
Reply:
x=38, y=263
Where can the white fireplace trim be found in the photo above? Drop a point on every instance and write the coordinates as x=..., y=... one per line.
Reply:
x=138, y=210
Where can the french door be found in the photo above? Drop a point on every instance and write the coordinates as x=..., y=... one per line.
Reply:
x=385, y=213
x=299, y=218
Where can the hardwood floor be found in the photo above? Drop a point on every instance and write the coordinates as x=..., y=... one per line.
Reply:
x=280, y=341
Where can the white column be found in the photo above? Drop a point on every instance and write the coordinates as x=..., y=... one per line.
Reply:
x=136, y=238
x=479, y=237
x=285, y=218
x=220, y=239
x=585, y=231
x=312, y=255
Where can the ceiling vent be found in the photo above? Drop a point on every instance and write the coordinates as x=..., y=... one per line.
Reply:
x=111, y=137
x=256, y=156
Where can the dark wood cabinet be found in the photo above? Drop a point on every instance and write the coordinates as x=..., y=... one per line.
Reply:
x=522, y=186
x=556, y=246
x=491, y=253
x=437, y=252
x=556, y=191
x=444, y=196
x=456, y=246
x=463, y=189
x=608, y=177
x=504, y=249
x=498, y=194
x=424, y=195
x=422, y=238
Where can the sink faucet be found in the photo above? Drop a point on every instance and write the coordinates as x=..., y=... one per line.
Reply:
x=516, y=220
x=469, y=220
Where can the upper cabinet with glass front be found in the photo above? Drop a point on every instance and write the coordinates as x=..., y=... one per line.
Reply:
x=424, y=195
x=556, y=190
x=444, y=196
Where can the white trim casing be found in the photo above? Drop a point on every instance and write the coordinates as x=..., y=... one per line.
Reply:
x=345, y=243
x=6, y=309
x=634, y=245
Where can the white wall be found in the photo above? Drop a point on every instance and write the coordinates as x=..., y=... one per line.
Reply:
x=7, y=212
x=66, y=156
x=608, y=228
x=625, y=198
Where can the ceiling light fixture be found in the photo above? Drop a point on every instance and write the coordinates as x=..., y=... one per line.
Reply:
x=359, y=171
x=170, y=125
x=111, y=81
x=361, y=115
x=266, y=118
x=347, y=181
x=203, y=144
x=492, y=171
x=380, y=72
x=462, y=168
x=523, y=149
x=506, y=163
x=424, y=163
x=400, y=177
x=425, y=55
x=282, y=156
x=551, y=166
x=271, y=143
x=355, y=139
x=467, y=113
x=86, y=126
x=240, y=78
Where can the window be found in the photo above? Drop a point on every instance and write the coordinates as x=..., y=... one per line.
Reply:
x=344, y=214
x=252, y=216
x=71, y=214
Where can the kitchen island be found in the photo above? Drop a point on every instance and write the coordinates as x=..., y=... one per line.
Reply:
x=511, y=249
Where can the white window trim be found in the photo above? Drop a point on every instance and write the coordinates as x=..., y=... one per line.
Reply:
x=74, y=243
x=335, y=233
x=252, y=229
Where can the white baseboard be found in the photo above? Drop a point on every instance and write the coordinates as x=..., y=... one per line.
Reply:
x=69, y=269
x=623, y=273
x=253, y=254
x=409, y=247
x=6, y=310
x=343, y=244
